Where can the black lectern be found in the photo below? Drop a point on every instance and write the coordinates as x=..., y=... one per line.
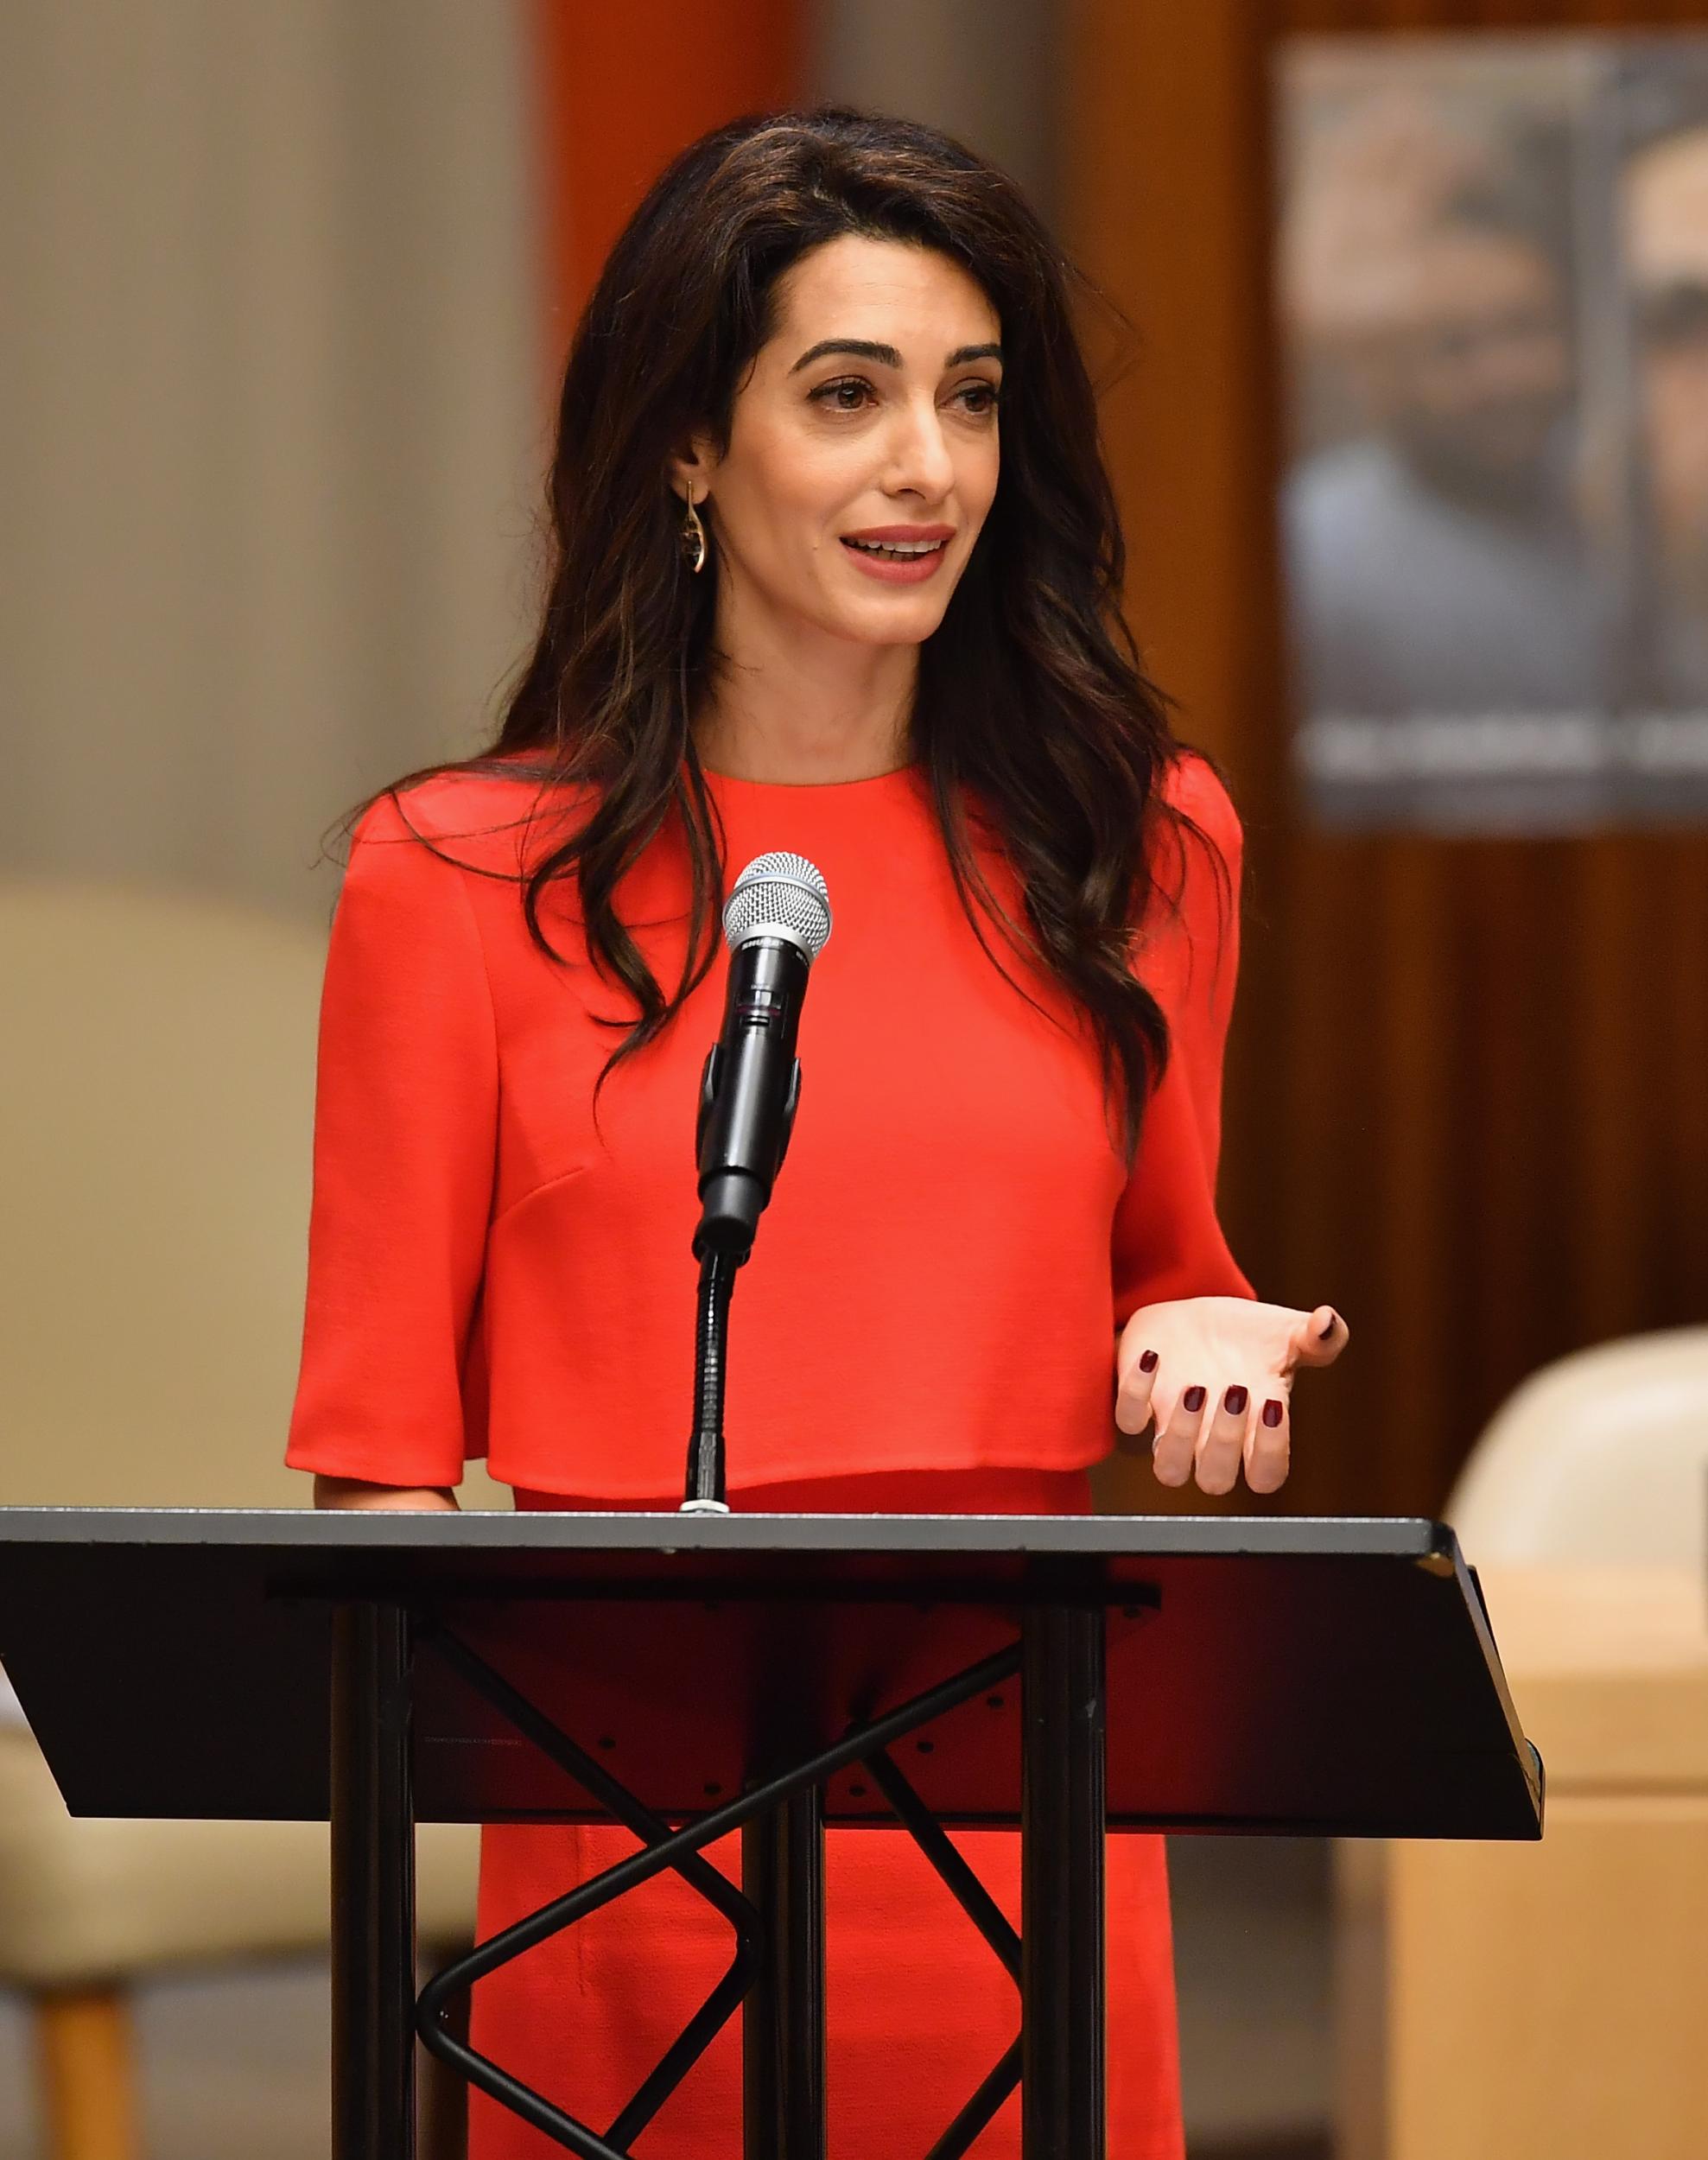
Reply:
x=692, y=1675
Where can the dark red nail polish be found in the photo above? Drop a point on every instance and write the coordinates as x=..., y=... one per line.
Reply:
x=1147, y=1363
x=1192, y=1401
x=1272, y=1412
x=1329, y=1329
x=1235, y=1400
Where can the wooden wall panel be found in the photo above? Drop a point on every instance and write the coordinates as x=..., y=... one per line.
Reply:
x=1467, y=1090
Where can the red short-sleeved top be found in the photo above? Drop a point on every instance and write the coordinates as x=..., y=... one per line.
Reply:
x=950, y=1247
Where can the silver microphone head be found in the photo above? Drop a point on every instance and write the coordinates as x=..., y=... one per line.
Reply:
x=779, y=896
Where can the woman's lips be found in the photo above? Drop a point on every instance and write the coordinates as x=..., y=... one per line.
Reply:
x=898, y=569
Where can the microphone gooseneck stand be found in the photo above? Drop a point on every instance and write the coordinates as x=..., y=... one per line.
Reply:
x=706, y=1444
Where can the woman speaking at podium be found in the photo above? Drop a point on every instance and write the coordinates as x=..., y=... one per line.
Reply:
x=835, y=568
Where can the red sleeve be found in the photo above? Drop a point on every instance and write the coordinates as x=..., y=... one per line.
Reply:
x=405, y=1123
x=1167, y=1242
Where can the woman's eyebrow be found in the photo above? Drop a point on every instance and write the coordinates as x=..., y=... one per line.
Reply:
x=886, y=355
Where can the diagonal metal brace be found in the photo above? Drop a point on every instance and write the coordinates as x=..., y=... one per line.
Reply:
x=680, y=1849
x=711, y=1881
x=985, y=1914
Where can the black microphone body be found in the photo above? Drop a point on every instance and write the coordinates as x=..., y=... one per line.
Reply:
x=748, y=1091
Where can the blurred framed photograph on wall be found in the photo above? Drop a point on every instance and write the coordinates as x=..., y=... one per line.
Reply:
x=1492, y=285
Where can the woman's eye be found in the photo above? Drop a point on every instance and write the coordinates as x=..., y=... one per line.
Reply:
x=830, y=393
x=985, y=394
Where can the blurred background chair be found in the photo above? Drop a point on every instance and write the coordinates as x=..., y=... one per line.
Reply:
x=1541, y=1998
x=156, y=1083
x=1601, y=1456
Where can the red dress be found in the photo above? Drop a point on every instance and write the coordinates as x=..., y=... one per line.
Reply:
x=928, y=1321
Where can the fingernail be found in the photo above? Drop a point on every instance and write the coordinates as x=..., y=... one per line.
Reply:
x=1192, y=1401
x=1235, y=1400
x=1334, y=1322
x=1147, y=1363
x=1272, y=1412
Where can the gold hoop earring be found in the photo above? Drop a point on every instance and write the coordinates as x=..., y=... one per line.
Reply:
x=693, y=538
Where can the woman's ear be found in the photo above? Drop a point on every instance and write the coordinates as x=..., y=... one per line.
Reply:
x=694, y=464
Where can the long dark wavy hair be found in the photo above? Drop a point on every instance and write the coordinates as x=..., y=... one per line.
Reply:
x=1033, y=710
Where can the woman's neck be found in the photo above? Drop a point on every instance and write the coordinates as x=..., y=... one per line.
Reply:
x=802, y=756
x=799, y=709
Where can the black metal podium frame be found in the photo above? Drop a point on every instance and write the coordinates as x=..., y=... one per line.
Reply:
x=777, y=1915
x=1394, y=1720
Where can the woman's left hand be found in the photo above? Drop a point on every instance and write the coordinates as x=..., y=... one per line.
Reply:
x=1216, y=1374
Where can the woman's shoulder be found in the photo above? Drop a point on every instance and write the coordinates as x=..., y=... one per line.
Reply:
x=1192, y=786
x=480, y=816
x=1197, y=841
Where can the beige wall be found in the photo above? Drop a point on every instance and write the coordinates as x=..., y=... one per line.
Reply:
x=268, y=445
x=272, y=423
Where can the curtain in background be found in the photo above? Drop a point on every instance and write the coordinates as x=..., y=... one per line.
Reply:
x=627, y=88
x=624, y=88
x=271, y=424
x=983, y=70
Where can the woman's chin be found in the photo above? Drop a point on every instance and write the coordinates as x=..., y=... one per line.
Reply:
x=895, y=617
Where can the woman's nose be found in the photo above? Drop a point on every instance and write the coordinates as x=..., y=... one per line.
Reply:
x=919, y=457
